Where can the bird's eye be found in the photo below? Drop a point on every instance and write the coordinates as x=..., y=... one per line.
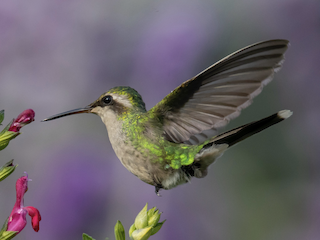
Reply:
x=107, y=99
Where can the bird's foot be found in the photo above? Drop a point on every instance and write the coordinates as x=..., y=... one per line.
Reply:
x=157, y=190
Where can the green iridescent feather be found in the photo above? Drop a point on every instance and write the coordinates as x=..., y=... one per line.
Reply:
x=133, y=96
x=136, y=127
x=137, y=123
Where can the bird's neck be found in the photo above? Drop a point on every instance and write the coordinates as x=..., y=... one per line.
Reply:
x=138, y=125
x=130, y=126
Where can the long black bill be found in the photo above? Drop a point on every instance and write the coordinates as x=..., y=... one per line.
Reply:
x=71, y=112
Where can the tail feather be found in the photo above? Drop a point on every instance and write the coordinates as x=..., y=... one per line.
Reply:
x=214, y=149
x=238, y=134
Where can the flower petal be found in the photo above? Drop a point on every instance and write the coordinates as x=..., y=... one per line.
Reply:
x=17, y=221
x=35, y=217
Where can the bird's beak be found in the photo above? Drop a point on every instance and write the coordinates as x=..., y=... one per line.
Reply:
x=86, y=109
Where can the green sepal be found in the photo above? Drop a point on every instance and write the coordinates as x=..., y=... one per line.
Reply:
x=1, y=116
x=119, y=231
x=142, y=234
x=151, y=212
x=6, y=128
x=4, y=226
x=86, y=237
x=157, y=227
x=132, y=228
x=141, y=220
x=7, y=235
x=6, y=136
x=154, y=219
x=7, y=169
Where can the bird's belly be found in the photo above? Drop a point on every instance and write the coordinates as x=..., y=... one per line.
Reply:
x=136, y=163
x=148, y=169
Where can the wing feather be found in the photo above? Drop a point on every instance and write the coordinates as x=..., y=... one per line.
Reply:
x=194, y=111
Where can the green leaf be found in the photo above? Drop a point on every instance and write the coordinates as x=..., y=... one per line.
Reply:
x=1, y=116
x=119, y=231
x=7, y=169
x=85, y=237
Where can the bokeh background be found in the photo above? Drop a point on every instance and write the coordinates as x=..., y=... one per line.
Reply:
x=60, y=55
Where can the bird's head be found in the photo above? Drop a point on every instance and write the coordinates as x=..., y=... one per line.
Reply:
x=116, y=102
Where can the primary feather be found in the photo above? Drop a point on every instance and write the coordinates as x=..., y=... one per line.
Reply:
x=192, y=113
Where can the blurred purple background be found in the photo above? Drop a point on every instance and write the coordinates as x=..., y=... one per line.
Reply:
x=60, y=55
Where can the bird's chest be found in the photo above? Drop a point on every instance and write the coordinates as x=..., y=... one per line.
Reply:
x=145, y=153
x=131, y=147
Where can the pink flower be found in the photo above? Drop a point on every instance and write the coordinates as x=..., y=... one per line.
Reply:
x=24, y=118
x=17, y=219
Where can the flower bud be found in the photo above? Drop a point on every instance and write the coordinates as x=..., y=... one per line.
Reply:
x=24, y=118
x=12, y=129
x=119, y=231
x=7, y=169
x=145, y=224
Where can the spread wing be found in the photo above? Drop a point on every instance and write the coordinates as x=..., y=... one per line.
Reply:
x=193, y=111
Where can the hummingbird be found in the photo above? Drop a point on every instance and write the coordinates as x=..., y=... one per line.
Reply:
x=178, y=138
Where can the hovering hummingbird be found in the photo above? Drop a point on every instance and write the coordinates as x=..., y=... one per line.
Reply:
x=177, y=138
